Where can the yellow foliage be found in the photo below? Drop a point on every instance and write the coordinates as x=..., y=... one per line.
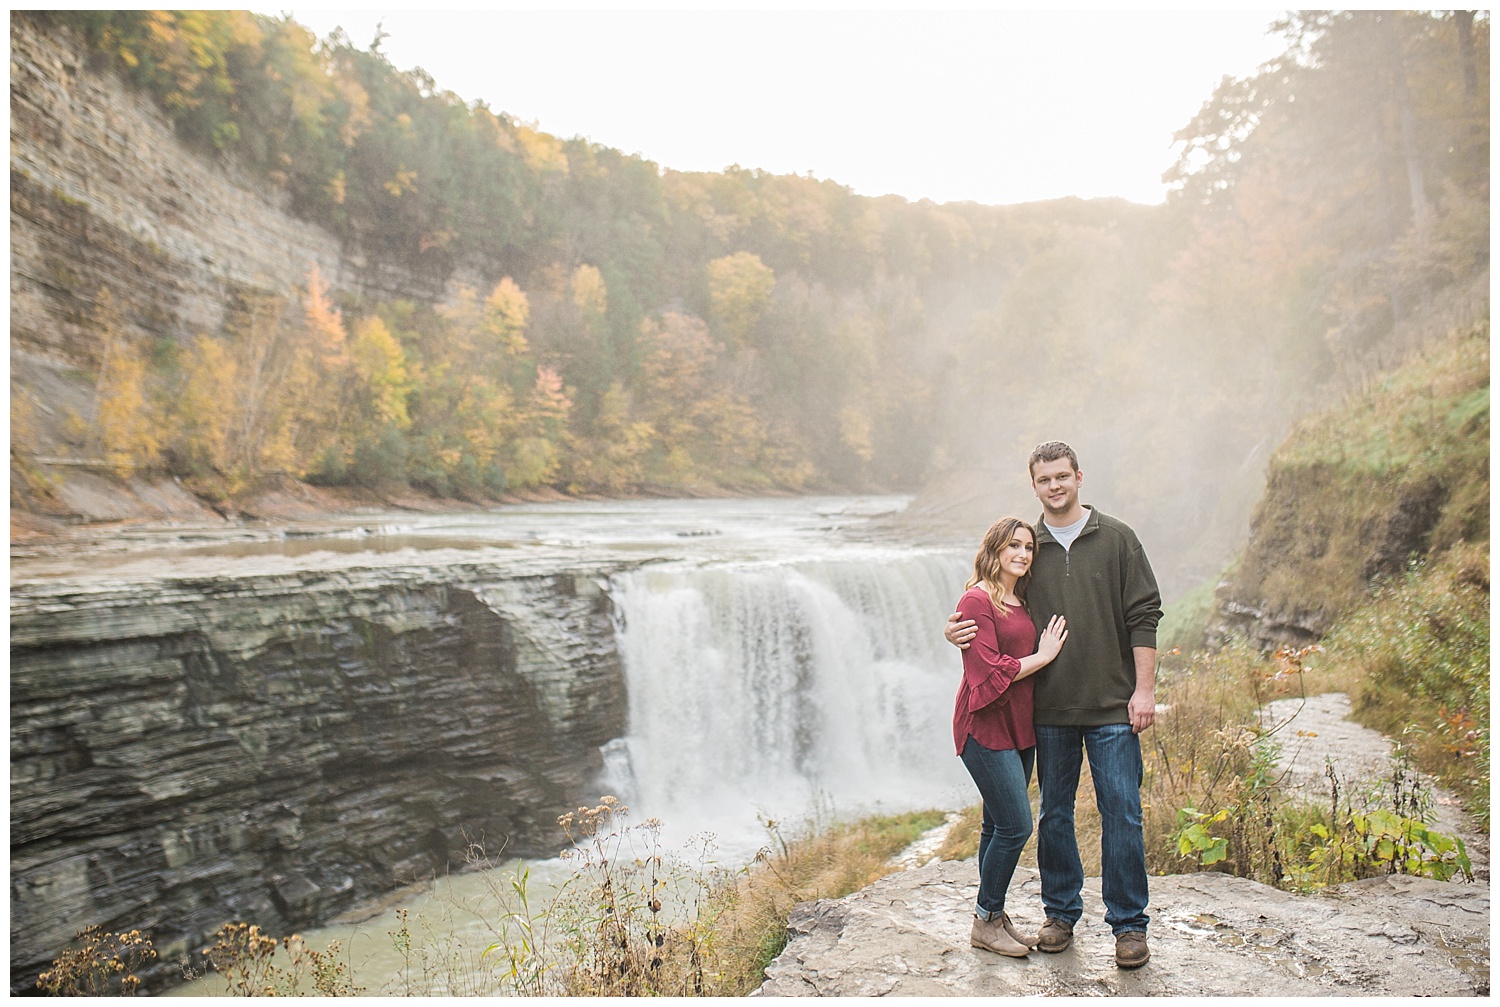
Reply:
x=481, y=335
x=506, y=314
x=704, y=424
x=542, y=152
x=125, y=426
x=231, y=414
x=588, y=291
x=533, y=460
x=739, y=289
x=380, y=365
x=613, y=460
x=325, y=324
x=403, y=180
x=205, y=405
x=482, y=419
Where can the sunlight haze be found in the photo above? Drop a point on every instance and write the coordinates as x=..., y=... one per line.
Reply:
x=995, y=107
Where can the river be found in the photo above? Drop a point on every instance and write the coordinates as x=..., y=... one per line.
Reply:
x=783, y=657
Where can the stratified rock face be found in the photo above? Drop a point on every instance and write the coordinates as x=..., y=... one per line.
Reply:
x=105, y=196
x=270, y=749
x=1211, y=935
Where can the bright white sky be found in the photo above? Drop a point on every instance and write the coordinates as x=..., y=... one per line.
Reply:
x=991, y=106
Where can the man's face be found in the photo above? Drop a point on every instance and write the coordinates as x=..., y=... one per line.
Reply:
x=1056, y=486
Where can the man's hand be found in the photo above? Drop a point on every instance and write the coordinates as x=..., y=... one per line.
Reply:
x=960, y=631
x=1142, y=706
x=1142, y=709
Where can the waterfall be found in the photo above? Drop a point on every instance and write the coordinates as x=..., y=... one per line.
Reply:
x=762, y=688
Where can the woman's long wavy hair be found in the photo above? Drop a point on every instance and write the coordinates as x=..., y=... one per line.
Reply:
x=987, y=559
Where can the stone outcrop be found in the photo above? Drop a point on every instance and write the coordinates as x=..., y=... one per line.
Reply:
x=104, y=195
x=1291, y=528
x=273, y=747
x=1211, y=935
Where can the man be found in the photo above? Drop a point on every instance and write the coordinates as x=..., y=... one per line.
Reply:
x=1098, y=695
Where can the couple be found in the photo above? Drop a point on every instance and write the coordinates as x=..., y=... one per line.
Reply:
x=1087, y=681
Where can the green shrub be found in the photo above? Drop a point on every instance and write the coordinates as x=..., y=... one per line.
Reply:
x=1420, y=652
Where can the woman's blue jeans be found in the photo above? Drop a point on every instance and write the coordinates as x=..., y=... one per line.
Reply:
x=1002, y=778
x=1114, y=752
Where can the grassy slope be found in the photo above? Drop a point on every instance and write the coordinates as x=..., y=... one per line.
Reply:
x=1399, y=468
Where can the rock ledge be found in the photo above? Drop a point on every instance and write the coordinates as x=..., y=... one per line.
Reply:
x=1211, y=935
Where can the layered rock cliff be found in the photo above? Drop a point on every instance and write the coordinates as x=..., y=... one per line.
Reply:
x=103, y=195
x=272, y=748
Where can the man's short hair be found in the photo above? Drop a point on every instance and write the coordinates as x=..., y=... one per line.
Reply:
x=1050, y=451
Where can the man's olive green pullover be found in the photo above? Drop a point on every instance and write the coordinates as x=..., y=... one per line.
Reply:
x=1105, y=589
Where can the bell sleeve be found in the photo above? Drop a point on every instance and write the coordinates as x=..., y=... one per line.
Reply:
x=987, y=672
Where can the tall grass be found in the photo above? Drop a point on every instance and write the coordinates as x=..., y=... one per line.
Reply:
x=826, y=862
x=639, y=920
x=1415, y=658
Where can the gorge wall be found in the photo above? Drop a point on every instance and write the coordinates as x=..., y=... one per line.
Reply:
x=1395, y=473
x=272, y=748
x=104, y=195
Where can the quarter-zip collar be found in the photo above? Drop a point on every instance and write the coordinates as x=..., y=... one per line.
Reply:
x=1044, y=534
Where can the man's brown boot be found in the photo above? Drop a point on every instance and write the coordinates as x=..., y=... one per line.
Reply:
x=990, y=935
x=1055, y=935
x=1131, y=951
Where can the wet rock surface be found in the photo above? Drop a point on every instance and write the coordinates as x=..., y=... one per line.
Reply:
x=1211, y=935
x=274, y=747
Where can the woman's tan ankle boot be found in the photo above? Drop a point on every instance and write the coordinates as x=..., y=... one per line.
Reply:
x=991, y=936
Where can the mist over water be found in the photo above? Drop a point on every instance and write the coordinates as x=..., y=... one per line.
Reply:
x=780, y=687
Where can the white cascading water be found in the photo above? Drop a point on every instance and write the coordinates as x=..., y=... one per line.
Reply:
x=760, y=689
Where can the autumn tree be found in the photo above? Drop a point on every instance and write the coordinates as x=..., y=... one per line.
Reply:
x=125, y=426
x=701, y=422
x=1346, y=162
x=739, y=290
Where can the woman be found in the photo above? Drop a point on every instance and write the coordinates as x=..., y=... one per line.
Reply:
x=992, y=718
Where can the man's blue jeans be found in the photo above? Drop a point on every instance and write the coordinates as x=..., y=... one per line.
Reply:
x=1002, y=778
x=1114, y=752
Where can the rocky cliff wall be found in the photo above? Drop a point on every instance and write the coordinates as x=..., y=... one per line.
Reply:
x=273, y=748
x=105, y=196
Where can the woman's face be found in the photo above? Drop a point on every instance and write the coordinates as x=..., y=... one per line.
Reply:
x=1016, y=555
